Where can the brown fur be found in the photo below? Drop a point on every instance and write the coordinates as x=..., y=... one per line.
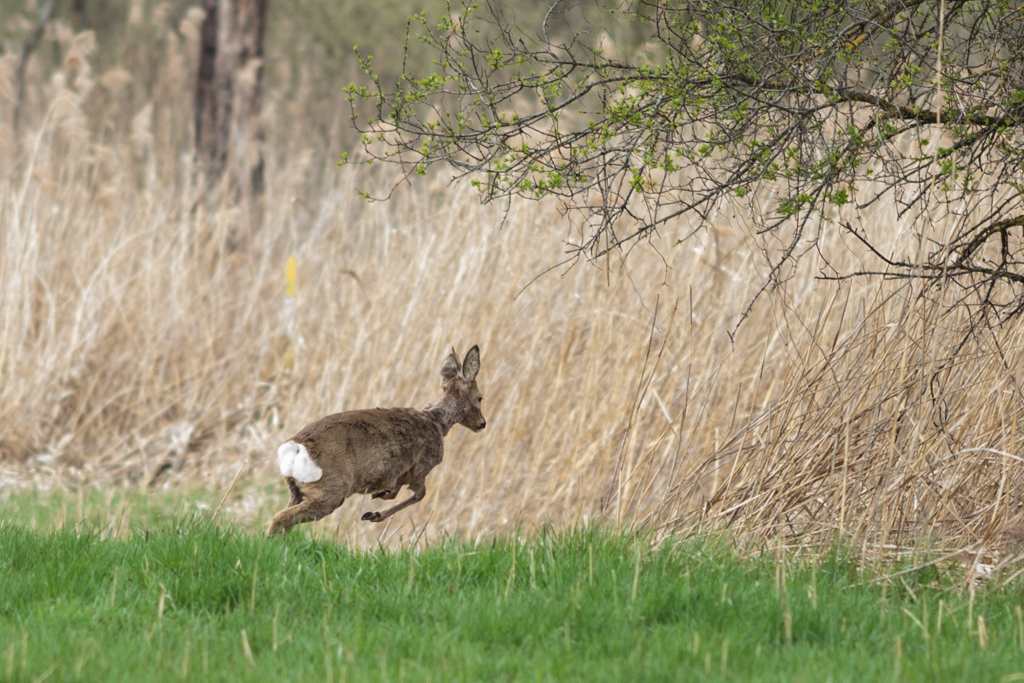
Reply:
x=380, y=450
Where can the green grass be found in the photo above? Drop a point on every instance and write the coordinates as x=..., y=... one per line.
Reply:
x=185, y=600
x=114, y=507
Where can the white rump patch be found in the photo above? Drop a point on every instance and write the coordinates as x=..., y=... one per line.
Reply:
x=294, y=461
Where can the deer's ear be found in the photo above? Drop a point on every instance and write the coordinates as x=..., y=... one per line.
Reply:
x=450, y=369
x=471, y=365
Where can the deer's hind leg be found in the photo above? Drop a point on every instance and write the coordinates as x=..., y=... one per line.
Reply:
x=296, y=494
x=309, y=510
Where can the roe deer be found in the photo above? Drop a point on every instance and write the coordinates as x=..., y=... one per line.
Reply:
x=375, y=451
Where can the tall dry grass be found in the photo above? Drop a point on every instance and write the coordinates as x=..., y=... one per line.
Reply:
x=146, y=341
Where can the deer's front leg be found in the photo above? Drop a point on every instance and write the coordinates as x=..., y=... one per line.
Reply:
x=419, y=491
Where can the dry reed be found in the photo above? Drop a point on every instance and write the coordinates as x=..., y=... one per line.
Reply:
x=146, y=339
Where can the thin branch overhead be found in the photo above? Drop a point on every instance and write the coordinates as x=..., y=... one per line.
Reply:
x=818, y=109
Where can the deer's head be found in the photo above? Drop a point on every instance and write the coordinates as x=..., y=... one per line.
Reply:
x=459, y=382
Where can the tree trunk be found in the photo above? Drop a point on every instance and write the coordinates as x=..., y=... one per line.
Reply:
x=206, y=101
x=229, y=135
x=79, y=15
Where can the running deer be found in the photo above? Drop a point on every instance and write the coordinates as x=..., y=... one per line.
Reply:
x=375, y=451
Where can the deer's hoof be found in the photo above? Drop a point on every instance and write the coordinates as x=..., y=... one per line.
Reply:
x=371, y=517
x=381, y=494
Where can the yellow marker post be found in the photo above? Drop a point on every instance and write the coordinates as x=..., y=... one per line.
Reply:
x=289, y=311
x=289, y=278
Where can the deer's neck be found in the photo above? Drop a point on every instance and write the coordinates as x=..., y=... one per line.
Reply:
x=445, y=411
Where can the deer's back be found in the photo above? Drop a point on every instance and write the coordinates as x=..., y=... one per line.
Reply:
x=370, y=447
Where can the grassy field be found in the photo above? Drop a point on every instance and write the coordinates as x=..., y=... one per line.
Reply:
x=187, y=600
